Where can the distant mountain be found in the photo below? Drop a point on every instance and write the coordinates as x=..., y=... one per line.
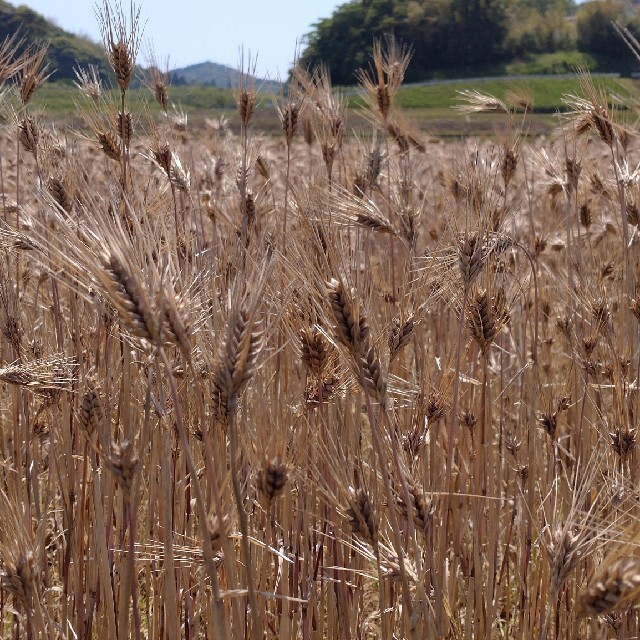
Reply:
x=217, y=75
x=66, y=50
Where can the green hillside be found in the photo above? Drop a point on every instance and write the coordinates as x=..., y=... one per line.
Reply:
x=467, y=38
x=65, y=49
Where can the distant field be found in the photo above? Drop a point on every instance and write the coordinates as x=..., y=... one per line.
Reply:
x=428, y=106
x=546, y=92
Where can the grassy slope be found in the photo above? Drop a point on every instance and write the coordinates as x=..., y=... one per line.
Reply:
x=546, y=93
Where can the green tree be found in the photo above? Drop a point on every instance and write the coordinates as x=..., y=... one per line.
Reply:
x=480, y=30
x=596, y=33
x=539, y=27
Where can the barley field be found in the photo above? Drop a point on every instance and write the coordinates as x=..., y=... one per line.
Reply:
x=332, y=383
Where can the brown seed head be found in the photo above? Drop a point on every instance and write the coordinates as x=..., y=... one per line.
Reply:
x=161, y=153
x=615, y=585
x=273, y=478
x=421, y=508
x=122, y=62
x=131, y=300
x=549, y=422
x=109, y=144
x=470, y=258
x=123, y=463
x=289, y=120
x=585, y=216
x=508, y=165
x=485, y=319
x=564, y=554
x=90, y=413
x=511, y=443
x=383, y=99
x=623, y=441
x=314, y=393
x=219, y=529
x=399, y=335
x=574, y=169
x=29, y=134
x=307, y=130
x=468, y=419
x=362, y=517
x=124, y=127
x=315, y=350
x=20, y=578
x=33, y=72
x=246, y=102
x=60, y=194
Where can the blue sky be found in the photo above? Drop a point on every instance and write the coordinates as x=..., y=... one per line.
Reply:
x=191, y=31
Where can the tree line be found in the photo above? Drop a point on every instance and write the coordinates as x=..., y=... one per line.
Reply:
x=451, y=37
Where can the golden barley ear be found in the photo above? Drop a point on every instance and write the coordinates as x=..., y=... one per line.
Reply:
x=29, y=134
x=486, y=316
x=362, y=516
x=289, y=115
x=273, y=478
x=33, y=72
x=10, y=62
x=20, y=573
x=122, y=39
x=60, y=194
x=91, y=411
x=236, y=360
x=109, y=145
x=420, y=509
x=399, y=335
x=315, y=350
x=613, y=587
x=158, y=79
x=88, y=82
x=379, y=85
x=123, y=464
x=352, y=330
x=126, y=292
